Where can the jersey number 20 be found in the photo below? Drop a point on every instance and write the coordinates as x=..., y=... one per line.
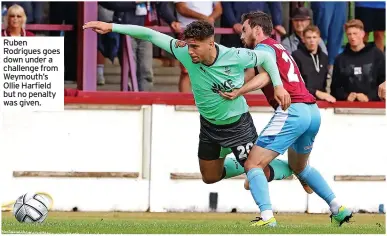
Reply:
x=293, y=77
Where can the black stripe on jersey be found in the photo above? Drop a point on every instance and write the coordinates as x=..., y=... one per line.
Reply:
x=170, y=46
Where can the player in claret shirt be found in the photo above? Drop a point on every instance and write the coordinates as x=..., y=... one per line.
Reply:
x=293, y=130
x=225, y=124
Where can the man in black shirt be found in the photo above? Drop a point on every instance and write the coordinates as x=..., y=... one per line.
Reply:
x=313, y=64
x=360, y=69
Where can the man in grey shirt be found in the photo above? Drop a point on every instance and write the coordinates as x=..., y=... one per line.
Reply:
x=301, y=18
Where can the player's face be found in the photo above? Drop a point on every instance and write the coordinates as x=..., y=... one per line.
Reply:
x=300, y=25
x=355, y=36
x=311, y=40
x=15, y=19
x=200, y=50
x=248, y=35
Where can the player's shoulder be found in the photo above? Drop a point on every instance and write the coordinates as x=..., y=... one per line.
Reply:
x=229, y=51
x=179, y=49
x=265, y=49
x=224, y=49
x=177, y=43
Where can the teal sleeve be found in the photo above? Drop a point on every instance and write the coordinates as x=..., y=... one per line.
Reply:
x=159, y=39
x=266, y=58
x=179, y=49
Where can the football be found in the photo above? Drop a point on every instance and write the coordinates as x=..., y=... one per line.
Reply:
x=31, y=208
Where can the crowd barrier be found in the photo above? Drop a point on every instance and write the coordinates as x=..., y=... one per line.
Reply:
x=138, y=152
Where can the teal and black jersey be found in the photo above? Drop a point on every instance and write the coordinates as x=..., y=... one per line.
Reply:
x=225, y=74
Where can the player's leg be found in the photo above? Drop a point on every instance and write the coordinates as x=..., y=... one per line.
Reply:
x=258, y=159
x=282, y=131
x=211, y=166
x=298, y=155
x=276, y=170
x=232, y=167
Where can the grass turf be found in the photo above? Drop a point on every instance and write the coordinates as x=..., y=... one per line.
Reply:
x=189, y=223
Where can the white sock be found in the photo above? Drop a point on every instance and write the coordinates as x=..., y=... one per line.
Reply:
x=267, y=215
x=334, y=206
x=100, y=68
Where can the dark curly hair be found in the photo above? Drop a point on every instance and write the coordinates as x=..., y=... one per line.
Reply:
x=198, y=30
x=259, y=18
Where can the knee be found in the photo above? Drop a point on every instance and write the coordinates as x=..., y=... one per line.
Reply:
x=210, y=179
x=298, y=169
x=249, y=164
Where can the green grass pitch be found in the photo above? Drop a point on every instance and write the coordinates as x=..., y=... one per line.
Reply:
x=189, y=223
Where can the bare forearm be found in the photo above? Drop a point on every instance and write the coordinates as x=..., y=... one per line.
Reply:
x=249, y=74
x=258, y=82
x=217, y=12
x=185, y=11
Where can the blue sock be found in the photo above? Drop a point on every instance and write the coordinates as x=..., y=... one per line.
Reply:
x=314, y=179
x=259, y=188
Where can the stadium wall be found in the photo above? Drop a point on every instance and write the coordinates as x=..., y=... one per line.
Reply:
x=133, y=157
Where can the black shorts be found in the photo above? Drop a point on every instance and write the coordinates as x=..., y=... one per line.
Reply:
x=239, y=136
x=373, y=19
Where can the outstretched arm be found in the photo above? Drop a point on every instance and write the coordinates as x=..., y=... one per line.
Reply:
x=159, y=39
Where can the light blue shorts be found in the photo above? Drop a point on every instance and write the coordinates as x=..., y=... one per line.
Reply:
x=296, y=127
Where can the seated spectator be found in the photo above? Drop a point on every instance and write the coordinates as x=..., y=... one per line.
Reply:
x=15, y=22
x=188, y=12
x=313, y=64
x=300, y=20
x=360, y=69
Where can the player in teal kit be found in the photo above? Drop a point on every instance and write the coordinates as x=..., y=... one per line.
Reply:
x=212, y=69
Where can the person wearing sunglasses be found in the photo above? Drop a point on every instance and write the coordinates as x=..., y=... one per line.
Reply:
x=15, y=22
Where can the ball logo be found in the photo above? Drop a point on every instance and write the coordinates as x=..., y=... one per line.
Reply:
x=180, y=44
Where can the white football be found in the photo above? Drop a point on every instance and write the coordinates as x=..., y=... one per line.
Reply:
x=31, y=208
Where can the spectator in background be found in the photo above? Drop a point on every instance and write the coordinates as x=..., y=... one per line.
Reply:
x=313, y=64
x=15, y=22
x=33, y=10
x=104, y=15
x=188, y=12
x=360, y=69
x=232, y=12
x=67, y=13
x=135, y=13
x=330, y=17
x=373, y=16
x=301, y=18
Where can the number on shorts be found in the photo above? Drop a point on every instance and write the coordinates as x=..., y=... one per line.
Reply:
x=293, y=77
x=244, y=150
